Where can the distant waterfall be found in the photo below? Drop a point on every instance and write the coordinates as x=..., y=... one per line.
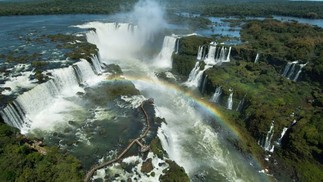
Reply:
x=196, y=75
x=301, y=66
x=64, y=81
x=230, y=100
x=269, y=136
x=282, y=135
x=211, y=54
x=241, y=103
x=291, y=72
x=216, y=54
x=216, y=96
x=257, y=58
x=164, y=58
x=200, y=55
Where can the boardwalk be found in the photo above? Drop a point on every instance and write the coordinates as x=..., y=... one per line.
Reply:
x=137, y=140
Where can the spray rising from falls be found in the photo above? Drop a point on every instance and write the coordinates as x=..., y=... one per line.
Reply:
x=64, y=82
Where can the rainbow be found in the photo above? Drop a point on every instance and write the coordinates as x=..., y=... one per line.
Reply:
x=204, y=104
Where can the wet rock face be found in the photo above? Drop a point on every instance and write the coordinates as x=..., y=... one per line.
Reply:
x=147, y=166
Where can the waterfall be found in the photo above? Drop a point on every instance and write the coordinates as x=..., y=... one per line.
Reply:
x=299, y=71
x=112, y=39
x=291, y=72
x=289, y=69
x=85, y=73
x=286, y=69
x=282, y=135
x=177, y=46
x=240, y=105
x=230, y=102
x=164, y=58
x=96, y=64
x=267, y=143
x=216, y=96
x=211, y=54
x=204, y=84
x=64, y=81
x=257, y=58
x=200, y=53
x=196, y=75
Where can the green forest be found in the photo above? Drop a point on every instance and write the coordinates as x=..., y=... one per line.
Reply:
x=205, y=7
x=19, y=161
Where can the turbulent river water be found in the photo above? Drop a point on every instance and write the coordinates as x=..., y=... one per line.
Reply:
x=83, y=120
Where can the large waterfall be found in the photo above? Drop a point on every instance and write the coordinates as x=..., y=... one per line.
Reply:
x=164, y=58
x=65, y=81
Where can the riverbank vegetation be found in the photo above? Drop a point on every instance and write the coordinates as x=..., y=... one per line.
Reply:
x=20, y=162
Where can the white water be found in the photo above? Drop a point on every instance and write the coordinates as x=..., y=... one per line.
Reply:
x=211, y=54
x=216, y=96
x=289, y=69
x=267, y=143
x=200, y=55
x=164, y=58
x=216, y=54
x=195, y=77
x=44, y=101
x=257, y=58
x=299, y=71
x=282, y=135
x=230, y=100
x=188, y=140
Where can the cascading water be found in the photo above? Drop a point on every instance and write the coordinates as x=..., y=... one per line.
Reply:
x=216, y=96
x=257, y=58
x=216, y=54
x=200, y=55
x=211, y=54
x=267, y=143
x=196, y=75
x=299, y=71
x=282, y=135
x=230, y=100
x=188, y=140
x=164, y=58
x=65, y=81
x=204, y=84
x=289, y=69
x=241, y=103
